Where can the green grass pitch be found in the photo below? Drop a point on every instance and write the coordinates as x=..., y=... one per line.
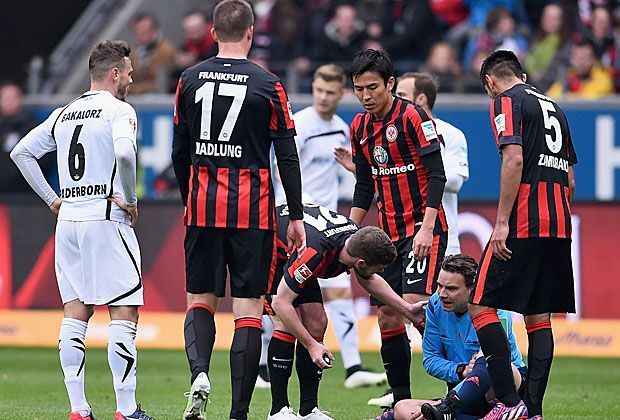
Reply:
x=31, y=387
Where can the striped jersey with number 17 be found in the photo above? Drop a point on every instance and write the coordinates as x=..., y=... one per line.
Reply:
x=393, y=147
x=227, y=113
x=523, y=116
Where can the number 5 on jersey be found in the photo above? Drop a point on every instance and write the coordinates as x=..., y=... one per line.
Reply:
x=205, y=94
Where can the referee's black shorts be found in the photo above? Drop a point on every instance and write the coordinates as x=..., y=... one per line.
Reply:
x=538, y=278
x=248, y=255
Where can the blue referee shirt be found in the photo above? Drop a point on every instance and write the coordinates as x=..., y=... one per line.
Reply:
x=450, y=340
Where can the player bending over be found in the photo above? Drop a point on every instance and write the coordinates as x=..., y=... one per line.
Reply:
x=451, y=351
x=335, y=244
x=97, y=255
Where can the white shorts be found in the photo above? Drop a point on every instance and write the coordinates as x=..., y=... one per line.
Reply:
x=98, y=263
x=341, y=281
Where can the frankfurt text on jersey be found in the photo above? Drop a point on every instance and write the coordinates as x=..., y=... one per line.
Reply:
x=227, y=77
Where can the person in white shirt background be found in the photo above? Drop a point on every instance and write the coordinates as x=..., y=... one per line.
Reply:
x=319, y=133
x=421, y=89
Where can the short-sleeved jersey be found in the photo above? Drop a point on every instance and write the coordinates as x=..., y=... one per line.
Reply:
x=454, y=156
x=393, y=147
x=227, y=113
x=83, y=133
x=316, y=140
x=521, y=115
x=326, y=234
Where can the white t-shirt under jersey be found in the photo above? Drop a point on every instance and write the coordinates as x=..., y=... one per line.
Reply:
x=454, y=156
x=83, y=133
x=316, y=140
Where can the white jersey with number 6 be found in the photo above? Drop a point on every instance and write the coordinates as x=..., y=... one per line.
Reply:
x=83, y=133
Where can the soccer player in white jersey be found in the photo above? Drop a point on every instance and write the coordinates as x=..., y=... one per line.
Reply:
x=97, y=254
x=320, y=132
x=421, y=89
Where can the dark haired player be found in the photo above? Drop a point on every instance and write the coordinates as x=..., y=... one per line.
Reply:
x=228, y=112
x=395, y=146
x=97, y=255
x=335, y=245
x=526, y=267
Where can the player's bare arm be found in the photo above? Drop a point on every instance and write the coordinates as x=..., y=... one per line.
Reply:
x=423, y=240
x=55, y=206
x=510, y=179
x=345, y=158
x=283, y=305
x=571, y=183
x=296, y=237
x=378, y=287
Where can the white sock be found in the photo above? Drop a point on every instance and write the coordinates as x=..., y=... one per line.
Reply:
x=123, y=357
x=265, y=337
x=72, y=357
x=342, y=315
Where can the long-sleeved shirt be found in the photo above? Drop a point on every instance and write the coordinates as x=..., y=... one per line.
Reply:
x=450, y=340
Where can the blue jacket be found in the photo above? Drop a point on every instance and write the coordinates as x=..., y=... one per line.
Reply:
x=450, y=340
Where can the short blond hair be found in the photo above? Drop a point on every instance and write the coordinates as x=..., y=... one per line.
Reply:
x=331, y=73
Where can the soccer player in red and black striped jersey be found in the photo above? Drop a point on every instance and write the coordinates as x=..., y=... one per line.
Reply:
x=228, y=112
x=526, y=267
x=335, y=245
x=396, y=147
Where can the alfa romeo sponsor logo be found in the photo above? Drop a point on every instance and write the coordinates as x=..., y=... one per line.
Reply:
x=380, y=155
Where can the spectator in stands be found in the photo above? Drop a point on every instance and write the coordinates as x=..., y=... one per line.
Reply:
x=313, y=17
x=342, y=37
x=601, y=36
x=152, y=56
x=550, y=47
x=471, y=79
x=500, y=34
x=15, y=123
x=442, y=63
x=198, y=44
x=585, y=78
x=275, y=31
x=408, y=30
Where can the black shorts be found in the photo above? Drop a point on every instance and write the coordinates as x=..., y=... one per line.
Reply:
x=406, y=275
x=537, y=279
x=248, y=255
x=311, y=293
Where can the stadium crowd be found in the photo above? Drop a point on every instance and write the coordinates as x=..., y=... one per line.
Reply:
x=569, y=47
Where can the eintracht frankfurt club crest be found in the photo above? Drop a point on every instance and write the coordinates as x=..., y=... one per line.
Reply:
x=391, y=133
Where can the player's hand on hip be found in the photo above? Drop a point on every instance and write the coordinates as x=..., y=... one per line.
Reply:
x=321, y=356
x=55, y=206
x=296, y=237
x=498, y=242
x=416, y=313
x=131, y=209
x=422, y=243
x=345, y=158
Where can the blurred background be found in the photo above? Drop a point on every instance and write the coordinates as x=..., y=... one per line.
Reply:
x=569, y=49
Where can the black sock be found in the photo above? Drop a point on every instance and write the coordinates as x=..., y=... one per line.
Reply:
x=280, y=361
x=263, y=372
x=309, y=376
x=396, y=355
x=350, y=371
x=244, y=357
x=474, y=388
x=539, y=358
x=496, y=349
x=199, y=333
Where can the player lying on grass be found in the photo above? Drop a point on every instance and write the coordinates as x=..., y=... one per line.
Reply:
x=334, y=244
x=451, y=351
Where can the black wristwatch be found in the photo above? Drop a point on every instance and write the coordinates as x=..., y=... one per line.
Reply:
x=460, y=369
